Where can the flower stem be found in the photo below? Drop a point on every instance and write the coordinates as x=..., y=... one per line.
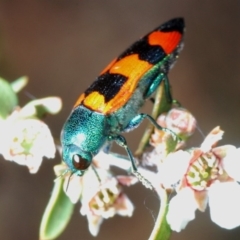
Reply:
x=162, y=230
x=160, y=105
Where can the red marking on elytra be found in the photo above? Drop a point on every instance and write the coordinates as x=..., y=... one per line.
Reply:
x=167, y=40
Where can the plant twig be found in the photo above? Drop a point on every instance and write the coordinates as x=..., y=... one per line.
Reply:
x=162, y=230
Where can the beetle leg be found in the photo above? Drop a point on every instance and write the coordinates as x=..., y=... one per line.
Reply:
x=121, y=141
x=136, y=121
x=155, y=84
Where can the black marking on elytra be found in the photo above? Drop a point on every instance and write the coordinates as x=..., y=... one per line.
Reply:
x=153, y=53
x=146, y=52
x=108, y=85
x=176, y=24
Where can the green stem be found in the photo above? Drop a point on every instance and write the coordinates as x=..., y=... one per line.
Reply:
x=160, y=105
x=162, y=230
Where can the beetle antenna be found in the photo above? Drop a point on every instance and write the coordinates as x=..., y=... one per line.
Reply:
x=96, y=173
x=62, y=175
x=69, y=180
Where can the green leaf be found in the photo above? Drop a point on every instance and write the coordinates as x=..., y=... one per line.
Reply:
x=19, y=84
x=57, y=213
x=8, y=98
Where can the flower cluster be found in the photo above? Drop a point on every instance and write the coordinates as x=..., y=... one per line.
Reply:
x=202, y=176
x=100, y=193
x=24, y=138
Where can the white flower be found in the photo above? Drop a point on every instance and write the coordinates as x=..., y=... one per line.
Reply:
x=203, y=176
x=26, y=141
x=99, y=192
x=104, y=201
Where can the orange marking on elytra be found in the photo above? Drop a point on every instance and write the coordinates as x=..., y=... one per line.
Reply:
x=108, y=66
x=95, y=101
x=167, y=40
x=131, y=67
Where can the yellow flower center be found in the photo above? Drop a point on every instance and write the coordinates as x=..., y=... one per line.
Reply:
x=104, y=199
x=203, y=171
x=23, y=143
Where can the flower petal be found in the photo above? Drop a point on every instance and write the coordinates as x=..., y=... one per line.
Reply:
x=18, y=84
x=173, y=168
x=39, y=107
x=182, y=209
x=94, y=223
x=212, y=138
x=201, y=199
x=222, y=151
x=124, y=206
x=224, y=200
x=231, y=163
x=127, y=180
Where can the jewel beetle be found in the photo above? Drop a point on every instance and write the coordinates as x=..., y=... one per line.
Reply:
x=111, y=104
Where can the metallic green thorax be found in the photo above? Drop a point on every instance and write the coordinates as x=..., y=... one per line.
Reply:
x=83, y=134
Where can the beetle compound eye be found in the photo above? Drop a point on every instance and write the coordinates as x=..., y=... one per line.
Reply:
x=80, y=163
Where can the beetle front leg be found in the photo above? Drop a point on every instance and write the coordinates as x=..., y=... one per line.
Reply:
x=121, y=141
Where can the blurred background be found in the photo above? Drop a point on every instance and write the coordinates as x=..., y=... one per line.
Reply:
x=62, y=45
